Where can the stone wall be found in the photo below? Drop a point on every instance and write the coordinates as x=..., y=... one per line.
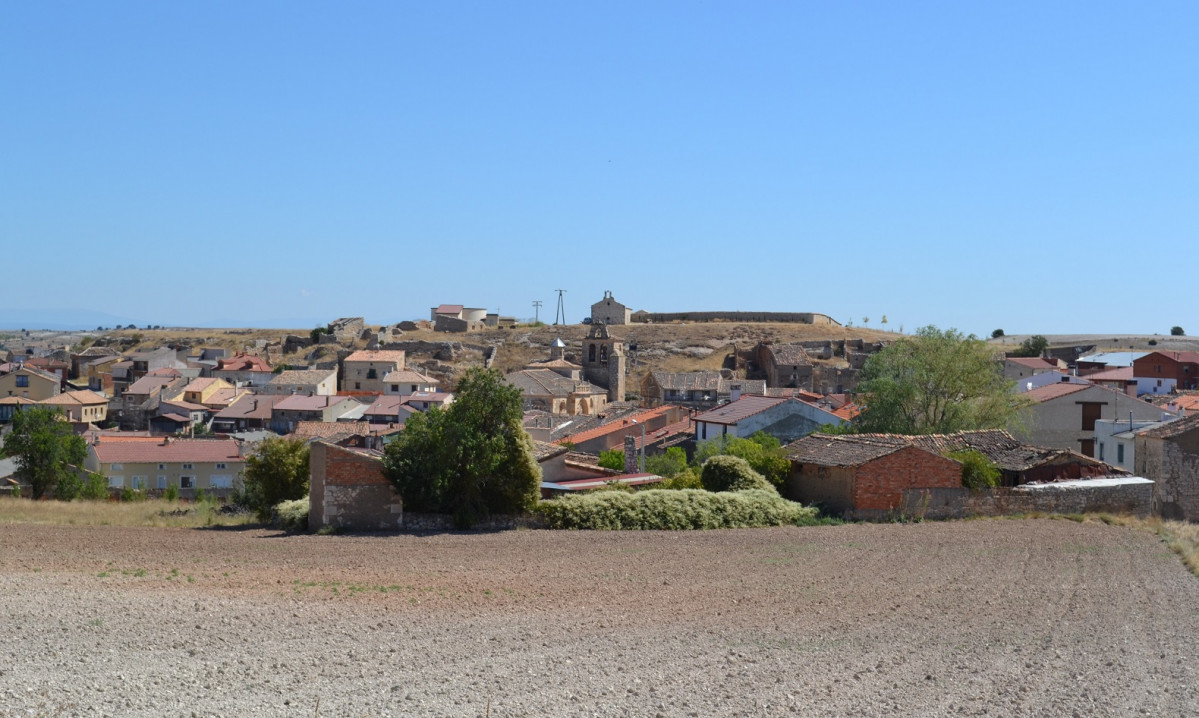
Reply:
x=1118, y=496
x=1174, y=465
x=786, y=317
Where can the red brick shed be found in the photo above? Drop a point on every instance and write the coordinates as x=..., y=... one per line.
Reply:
x=847, y=474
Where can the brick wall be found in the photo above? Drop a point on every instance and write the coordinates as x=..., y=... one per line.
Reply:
x=348, y=490
x=879, y=484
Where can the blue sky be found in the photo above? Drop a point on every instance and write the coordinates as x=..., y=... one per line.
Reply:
x=1026, y=165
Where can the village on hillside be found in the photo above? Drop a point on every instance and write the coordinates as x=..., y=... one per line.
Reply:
x=1101, y=430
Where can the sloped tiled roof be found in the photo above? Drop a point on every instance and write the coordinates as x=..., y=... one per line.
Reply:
x=303, y=402
x=303, y=376
x=788, y=354
x=543, y=382
x=448, y=309
x=389, y=405
x=848, y=450
x=242, y=362
x=1033, y=362
x=150, y=384
x=379, y=355
x=1055, y=391
x=997, y=445
x=1123, y=373
x=408, y=376
x=201, y=384
x=77, y=398
x=543, y=451
x=158, y=451
x=331, y=429
x=745, y=407
x=251, y=406
x=1171, y=429
x=615, y=426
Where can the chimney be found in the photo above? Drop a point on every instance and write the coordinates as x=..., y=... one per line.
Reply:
x=734, y=392
x=630, y=454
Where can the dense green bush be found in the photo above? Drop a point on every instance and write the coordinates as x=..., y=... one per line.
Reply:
x=978, y=472
x=292, y=515
x=171, y=493
x=128, y=495
x=673, y=510
x=612, y=459
x=669, y=464
x=732, y=473
x=763, y=452
x=70, y=487
x=686, y=479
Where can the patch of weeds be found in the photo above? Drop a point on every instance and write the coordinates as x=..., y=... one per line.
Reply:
x=102, y=574
x=96, y=622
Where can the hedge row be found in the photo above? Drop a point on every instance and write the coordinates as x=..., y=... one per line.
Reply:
x=656, y=509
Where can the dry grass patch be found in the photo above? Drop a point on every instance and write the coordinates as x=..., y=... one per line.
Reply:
x=1180, y=536
x=154, y=512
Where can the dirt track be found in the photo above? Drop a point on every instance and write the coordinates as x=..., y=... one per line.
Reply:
x=1010, y=618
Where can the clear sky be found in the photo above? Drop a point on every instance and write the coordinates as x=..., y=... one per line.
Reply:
x=1026, y=165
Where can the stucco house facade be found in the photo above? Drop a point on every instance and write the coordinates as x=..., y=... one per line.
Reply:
x=155, y=464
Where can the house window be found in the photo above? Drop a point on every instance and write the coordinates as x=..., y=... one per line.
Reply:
x=188, y=466
x=187, y=482
x=220, y=482
x=22, y=380
x=1101, y=451
x=357, y=385
x=395, y=388
x=116, y=482
x=138, y=482
x=1119, y=453
x=162, y=482
x=118, y=466
x=162, y=467
x=220, y=466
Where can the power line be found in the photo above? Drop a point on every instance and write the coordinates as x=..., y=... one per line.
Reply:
x=561, y=313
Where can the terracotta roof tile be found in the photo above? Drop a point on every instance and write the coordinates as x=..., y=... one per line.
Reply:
x=158, y=451
x=379, y=355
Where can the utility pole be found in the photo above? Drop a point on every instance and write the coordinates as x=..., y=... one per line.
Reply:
x=561, y=314
x=536, y=311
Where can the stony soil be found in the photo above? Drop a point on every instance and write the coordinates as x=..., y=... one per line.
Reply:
x=1008, y=618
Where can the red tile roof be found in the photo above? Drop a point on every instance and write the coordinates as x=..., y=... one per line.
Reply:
x=615, y=426
x=156, y=450
x=380, y=355
x=243, y=362
x=1055, y=391
x=1033, y=362
x=745, y=407
x=449, y=309
x=1123, y=373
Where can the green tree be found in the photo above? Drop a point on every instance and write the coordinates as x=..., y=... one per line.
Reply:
x=1177, y=331
x=669, y=464
x=935, y=382
x=45, y=447
x=997, y=334
x=732, y=473
x=763, y=452
x=470, y=459
x=1034, y=346
x=978, y=472
x=276, y=470
x=612, y=459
